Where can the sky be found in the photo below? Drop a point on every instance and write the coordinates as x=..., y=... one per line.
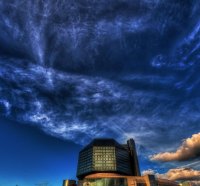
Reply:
x=74, y=70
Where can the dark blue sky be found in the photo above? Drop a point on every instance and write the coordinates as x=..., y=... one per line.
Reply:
x=74, y=70
x=28, y=156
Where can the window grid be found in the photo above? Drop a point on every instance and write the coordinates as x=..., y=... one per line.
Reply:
x=104, y=158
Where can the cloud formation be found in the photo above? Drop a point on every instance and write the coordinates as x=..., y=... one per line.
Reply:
x=176, y=174
x=83, y=69
x=181, y=174
x=189, y=149
x=148, y=172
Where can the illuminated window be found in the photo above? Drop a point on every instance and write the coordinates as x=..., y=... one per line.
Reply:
x=104, y=158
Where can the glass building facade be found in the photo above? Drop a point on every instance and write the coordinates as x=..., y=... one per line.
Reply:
x=86, y=161
x=106, y=155
x=104, y=162
x=104, y=158
x=106, y=182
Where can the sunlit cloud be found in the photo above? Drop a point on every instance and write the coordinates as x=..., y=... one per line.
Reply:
x=189, y=149
x=177, y=174
x=181, y=174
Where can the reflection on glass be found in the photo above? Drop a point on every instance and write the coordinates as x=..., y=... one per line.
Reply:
x=106, y=182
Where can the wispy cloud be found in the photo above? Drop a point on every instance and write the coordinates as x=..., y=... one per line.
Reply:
x=80, y=70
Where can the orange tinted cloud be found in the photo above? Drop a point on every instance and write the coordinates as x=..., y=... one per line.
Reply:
x=190, y=148
x=177, y=174
x=181, y=174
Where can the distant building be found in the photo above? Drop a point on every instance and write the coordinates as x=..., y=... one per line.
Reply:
x=69, y=182
x=104, y=162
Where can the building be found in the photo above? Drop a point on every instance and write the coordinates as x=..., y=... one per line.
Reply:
x=106, y=155
x=105, y=162
x=69, y=182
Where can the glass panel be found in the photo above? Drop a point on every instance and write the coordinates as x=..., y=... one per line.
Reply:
x=106, y=182
x=85, y=161
x=104, y=158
